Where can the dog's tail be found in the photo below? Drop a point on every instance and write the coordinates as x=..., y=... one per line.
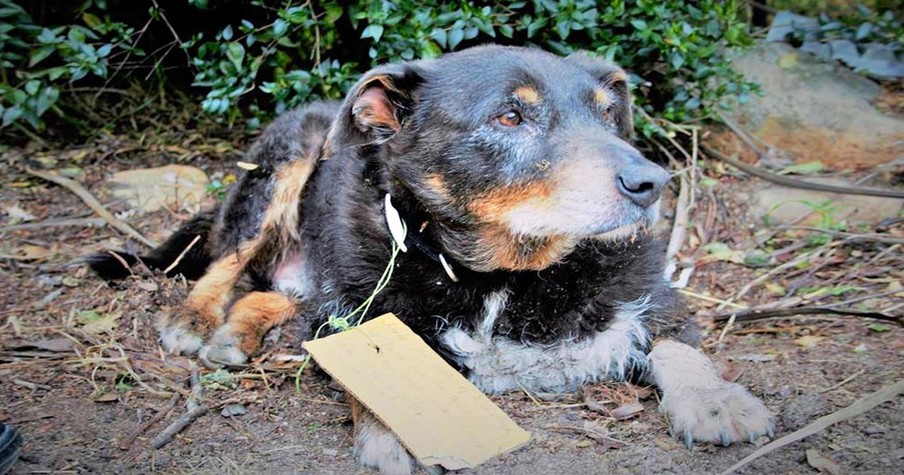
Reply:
x=192, y=239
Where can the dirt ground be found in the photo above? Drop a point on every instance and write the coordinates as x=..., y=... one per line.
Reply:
x=81, y=371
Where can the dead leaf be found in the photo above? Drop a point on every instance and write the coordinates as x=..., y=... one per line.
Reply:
x=17, y=214
x=147, y=285
x=808, y=341
x=821, y=462
x=172, y=186
x=30, y=253
x=107, y=397
x=247, y=166
x=95, y=323
x=626, y=411
x=59, y=345
x=719, y=251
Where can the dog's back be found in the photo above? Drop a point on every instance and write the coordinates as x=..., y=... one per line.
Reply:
x=296, y=135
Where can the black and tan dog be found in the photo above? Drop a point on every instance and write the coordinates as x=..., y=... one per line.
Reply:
x=529, y=262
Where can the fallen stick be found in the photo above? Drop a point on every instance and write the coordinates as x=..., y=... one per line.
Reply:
x=182, y=254
x=126, y=444
x=804, y=185
x=752, y=314
x=862, y=405
x=178, y=425
x=87, y=222
x=92, y=203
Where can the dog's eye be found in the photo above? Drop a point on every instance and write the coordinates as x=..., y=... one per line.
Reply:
x=510, y=119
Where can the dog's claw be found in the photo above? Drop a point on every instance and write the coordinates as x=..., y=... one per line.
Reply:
x=770, y=431
x=672, y=433
x=726, y=439
x=752, y=438
x=688, y=439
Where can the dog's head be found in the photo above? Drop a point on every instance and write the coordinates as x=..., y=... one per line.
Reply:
x=517, y=154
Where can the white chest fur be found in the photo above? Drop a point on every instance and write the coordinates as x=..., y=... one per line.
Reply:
x=498, y=364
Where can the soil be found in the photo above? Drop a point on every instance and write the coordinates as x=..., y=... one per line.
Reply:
x=78, y=391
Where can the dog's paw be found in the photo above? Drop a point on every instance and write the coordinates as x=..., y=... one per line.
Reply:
x=377, y=447
x=721, y=413
x=179, y=340
x=222, y=350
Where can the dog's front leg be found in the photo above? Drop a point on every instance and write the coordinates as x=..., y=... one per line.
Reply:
x=699, y=404
x=375, y=445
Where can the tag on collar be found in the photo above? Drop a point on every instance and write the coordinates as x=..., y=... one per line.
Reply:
x=396, y=226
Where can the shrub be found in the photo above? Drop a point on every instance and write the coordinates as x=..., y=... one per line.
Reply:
x=266, y=58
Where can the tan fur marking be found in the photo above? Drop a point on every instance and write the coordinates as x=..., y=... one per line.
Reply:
x=601, y=97
x=492, y=206
x=253, y=315
x=528, y=94
x=514, y=253
x=617, y=76
x=282, y=215
x=438, y=186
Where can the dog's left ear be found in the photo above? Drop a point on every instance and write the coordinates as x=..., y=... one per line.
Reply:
x=614, y=81
x=376, y=108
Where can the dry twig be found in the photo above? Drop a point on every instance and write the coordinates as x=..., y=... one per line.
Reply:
x=91, y=201
x=126, y=444
x=862, y=405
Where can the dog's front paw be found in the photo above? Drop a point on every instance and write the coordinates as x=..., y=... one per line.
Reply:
x=222, y=350
x=721, y=413
x=377, y=447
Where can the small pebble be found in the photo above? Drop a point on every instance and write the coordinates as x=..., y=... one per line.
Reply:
x=231, y=410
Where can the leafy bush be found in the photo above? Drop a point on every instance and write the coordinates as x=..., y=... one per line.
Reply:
x=273, y=57
x=861, y=26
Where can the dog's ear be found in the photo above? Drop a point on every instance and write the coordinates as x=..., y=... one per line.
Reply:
x=376, y=108
x=614, y=82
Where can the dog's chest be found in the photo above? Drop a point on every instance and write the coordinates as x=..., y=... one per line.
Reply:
x=501, y=363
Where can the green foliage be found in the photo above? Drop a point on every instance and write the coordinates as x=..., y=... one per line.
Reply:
x=861, y=26
x=279, y=56
x=37, y=62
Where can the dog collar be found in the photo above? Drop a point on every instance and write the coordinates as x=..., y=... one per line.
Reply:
x=399, y=231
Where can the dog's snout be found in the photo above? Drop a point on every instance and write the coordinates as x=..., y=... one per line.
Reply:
x=642, y=184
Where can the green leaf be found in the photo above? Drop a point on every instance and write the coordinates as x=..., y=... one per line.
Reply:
x=31, y=87
x=236, y=53
x=10, y=115
x=227, y=33
x=280, y=27
x=806, y=168
x=373, y=31
x=455, y=37
x=40, y=54
x=46, y=99
x=879, y=328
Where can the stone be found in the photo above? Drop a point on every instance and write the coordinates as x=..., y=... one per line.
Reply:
x=816, y=111
x=177, y=187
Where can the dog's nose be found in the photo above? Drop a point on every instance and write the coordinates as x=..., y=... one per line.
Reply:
x=642, y=184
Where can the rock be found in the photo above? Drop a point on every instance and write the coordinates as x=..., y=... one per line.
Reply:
x=232, y=410
x=178, y=187
x=786, y=205
x=816, y=110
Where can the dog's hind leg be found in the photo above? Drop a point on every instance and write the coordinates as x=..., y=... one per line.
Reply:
x=205, y=308
x=699, y=404
x=250, y=318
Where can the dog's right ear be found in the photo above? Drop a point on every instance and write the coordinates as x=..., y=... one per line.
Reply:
x=376, y=108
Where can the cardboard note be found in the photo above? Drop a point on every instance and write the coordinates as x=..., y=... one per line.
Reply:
x=436, y=413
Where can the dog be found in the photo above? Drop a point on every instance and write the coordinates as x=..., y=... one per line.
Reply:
x=506, y=176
